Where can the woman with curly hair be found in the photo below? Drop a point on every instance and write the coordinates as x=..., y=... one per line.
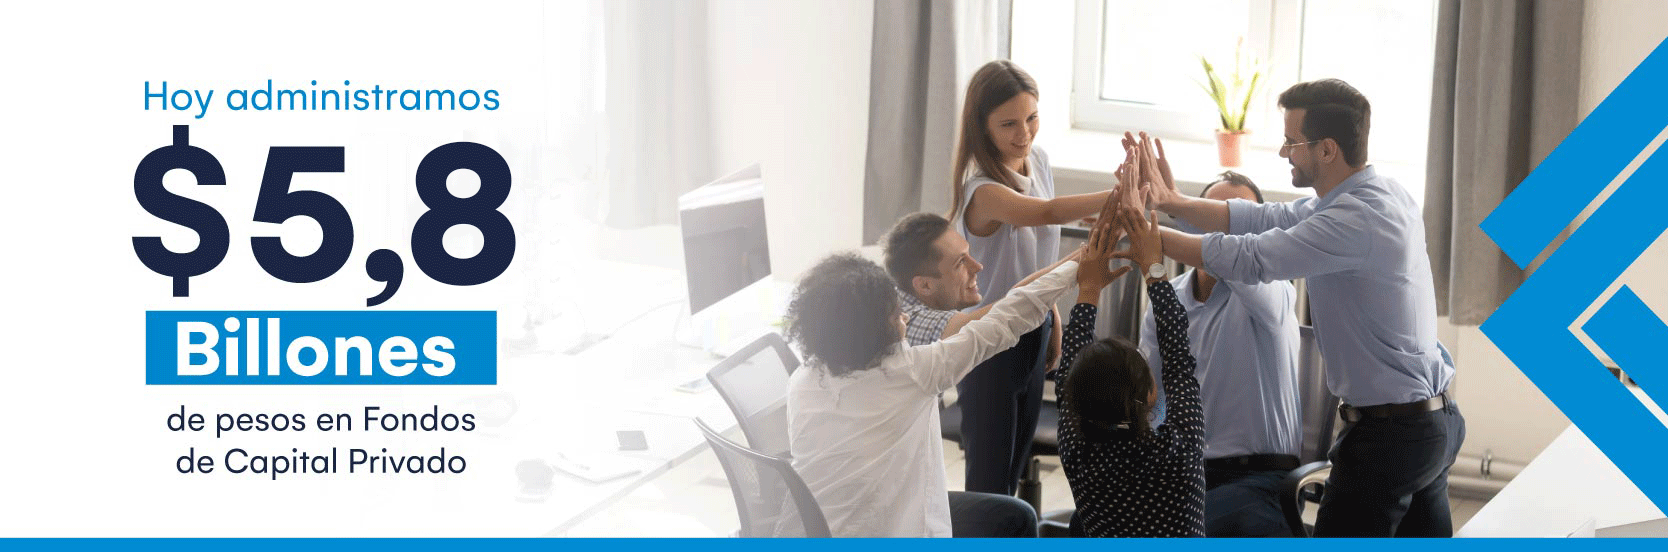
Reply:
x=863, y=410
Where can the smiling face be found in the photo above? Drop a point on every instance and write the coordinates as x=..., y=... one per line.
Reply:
x=1303, y=156
x=957, y=284
x=1011, y=126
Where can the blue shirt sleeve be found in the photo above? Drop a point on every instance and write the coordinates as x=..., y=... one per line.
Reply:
x=1268, y=303
x=1250, y=217
x=1330, y=240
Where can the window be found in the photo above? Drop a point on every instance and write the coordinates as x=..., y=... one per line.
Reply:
x=1136, y=63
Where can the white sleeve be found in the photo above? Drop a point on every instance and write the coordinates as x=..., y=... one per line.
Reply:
x=938, y=366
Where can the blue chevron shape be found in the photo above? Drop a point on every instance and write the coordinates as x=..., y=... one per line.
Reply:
x=1584, y=163
x=1532, y=327
x=1633, y=336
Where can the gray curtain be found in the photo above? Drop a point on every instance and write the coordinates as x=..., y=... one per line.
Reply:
x=920, y=60
x=657, y=98
x=1505, y=94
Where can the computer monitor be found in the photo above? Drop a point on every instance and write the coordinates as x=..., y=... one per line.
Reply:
x=725, y=246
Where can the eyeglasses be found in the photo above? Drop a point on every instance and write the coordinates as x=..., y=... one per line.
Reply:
x=1288, y=145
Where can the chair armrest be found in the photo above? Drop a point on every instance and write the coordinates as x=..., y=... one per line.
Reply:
x=1292, y=495
x=1056, y=523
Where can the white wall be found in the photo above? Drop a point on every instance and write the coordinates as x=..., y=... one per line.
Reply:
x=791, y=91
x=1505, y=413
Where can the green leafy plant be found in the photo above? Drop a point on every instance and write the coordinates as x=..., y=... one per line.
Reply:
x=1233, y=95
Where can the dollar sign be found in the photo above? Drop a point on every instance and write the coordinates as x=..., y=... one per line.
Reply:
x=213, y=236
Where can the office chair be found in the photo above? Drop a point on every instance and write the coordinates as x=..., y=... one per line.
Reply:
x=771, y=499
x=754, y=383
x=1318, y=410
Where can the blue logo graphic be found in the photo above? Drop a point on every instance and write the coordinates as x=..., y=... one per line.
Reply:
x=1534, y=327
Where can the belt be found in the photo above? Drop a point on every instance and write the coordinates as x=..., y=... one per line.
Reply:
x=1356, y=413
x=1254, y=462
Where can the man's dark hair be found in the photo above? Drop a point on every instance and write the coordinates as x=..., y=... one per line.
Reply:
x=842, y=314
x=1232, y=177
x=1333, y=109
x=908, y=248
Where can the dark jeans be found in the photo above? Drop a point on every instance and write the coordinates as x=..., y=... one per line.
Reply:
x=1000, y=400
x=1244, y=503
x=985, y=515
x=1390, y=477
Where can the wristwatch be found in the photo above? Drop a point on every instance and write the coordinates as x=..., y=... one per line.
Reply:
x=1156, y=271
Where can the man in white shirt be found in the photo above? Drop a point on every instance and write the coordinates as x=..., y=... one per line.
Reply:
x=863, y=410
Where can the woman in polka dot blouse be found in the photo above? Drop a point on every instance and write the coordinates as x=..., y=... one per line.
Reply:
x=1128, y=479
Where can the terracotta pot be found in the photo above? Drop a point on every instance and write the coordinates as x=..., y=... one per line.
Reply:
x=1228, y=146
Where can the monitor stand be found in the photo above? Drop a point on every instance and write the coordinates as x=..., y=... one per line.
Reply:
x=735, y=321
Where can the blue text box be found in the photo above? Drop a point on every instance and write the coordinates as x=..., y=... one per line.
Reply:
x=405, y=347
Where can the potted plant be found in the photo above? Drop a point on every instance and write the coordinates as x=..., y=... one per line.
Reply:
x=1233, y=101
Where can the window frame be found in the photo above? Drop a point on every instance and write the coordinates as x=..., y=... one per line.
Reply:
x=1270, y=34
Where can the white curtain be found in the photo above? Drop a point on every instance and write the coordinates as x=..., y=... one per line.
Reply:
x=924, y=52
x=657, y=100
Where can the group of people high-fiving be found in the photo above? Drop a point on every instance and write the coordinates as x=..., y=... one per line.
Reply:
x=1190, y=431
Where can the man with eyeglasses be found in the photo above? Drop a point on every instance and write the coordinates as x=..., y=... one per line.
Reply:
x=1361, y=244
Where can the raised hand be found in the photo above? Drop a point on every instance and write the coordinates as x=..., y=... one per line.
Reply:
x=1130, y=178
x=1145, y=246
x=1094, y=271
x=1162, y=161
x=1162, y=190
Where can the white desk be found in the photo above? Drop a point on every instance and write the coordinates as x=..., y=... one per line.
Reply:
x=1568, y=484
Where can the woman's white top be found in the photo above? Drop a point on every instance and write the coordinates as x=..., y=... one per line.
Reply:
x=1011, y=252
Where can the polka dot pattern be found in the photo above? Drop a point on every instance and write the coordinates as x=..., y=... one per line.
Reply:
x=1131, y=487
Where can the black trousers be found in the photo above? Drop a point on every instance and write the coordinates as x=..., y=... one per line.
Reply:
x=1000, y=400
x=1390, y=477
x=1244, y=503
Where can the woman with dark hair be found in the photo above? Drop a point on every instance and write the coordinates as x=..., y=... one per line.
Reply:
x=1127, y=478
x=1003, y=203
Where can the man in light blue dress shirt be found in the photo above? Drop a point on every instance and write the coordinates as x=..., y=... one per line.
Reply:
x=1361, y=245
x=1245, y=338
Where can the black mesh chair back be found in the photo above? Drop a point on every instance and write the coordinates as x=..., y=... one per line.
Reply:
x=754, y=383
x=1318, y=408
x=1318, y=412
x=771, y=499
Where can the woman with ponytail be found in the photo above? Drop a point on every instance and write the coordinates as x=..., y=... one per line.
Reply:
x=1127, y=478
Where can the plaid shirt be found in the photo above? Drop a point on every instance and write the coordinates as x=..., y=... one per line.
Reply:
x=926, y=324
